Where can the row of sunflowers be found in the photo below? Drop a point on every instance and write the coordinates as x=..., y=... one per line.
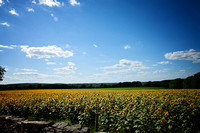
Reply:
x=118, y=110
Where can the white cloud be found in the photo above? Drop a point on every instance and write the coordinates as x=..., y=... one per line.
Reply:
x=160, y=71
x=30, y=75
x=51, y=63
x=125, y=70
x=8, y=47
x=34, y=2
x=55, y=19
x=74, y=3
x=67, y=45
x=125, y=66
x=5, y=24
x=184, y=55
x=127, y=46
x=13, y=12
x=45, y=52
x=181, y=72
x=13, y=46
x=1, y=3
x=1, y=50
x=95, y=45
x=84, y=53
x=162, y=63
x=70, y=68
x=124, y=63
x=27, y=73
x=31, y=10
x=29, y=70
x=49, y=3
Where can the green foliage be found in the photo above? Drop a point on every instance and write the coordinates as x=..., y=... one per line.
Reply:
x=192, y=82
x=2, y=71
x=176, y=84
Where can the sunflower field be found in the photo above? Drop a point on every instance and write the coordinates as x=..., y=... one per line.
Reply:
x=118, y=110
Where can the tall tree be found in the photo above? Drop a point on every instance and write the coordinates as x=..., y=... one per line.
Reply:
x=2, y=70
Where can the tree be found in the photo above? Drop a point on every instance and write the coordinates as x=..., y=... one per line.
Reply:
x=2, y=70
x=176, y=84
x=195, y=81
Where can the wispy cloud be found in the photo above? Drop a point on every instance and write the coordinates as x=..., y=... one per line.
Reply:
x=51, y=63
x=74, y=3
x=45, y=52
x=84, y=53
x=124, y=63
x=8, y=47
x=160, y=71
x=122, y=71
x=29, y=70
x=94, y=45
x=67, y=45
x=27, y=73
x=162, y=63
x=184, y=55
x=49, y=3
x=125, y=66
x=5, y=24
x=54, y=18
x=30, y=75
x=31, y=10
x=34, y=2
x=70, y=68
x=13, y=12
x=127, y=47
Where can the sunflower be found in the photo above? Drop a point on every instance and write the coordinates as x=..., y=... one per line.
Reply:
x=152, y=110
x=85, y=102
x=112, y=111
x=85, y=111
x=130, y=112
x=162, y=120
x=91, y=106
x=155, y=116
x=166, y=114
x=123, y=113
x=103, y=108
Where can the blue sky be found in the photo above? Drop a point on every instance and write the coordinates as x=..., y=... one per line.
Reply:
x=92, y=41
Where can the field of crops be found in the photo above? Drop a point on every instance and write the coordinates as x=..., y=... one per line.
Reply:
x=118, y=110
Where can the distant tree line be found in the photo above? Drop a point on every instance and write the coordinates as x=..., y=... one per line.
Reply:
x=69, y=86
x=189, y=82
